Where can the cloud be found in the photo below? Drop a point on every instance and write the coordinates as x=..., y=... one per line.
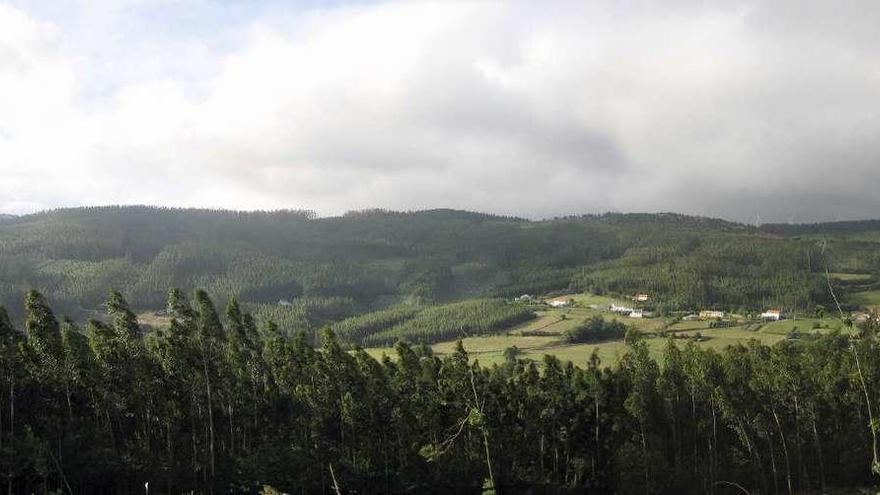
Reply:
x=756, y=108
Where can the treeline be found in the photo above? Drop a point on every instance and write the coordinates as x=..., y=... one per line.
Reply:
x=215, y=404
x=451, y=321
x=595, y=329
x=379, y=258
x=355, y=330
x=428, y=324
x=436, y=256
x=733, y=272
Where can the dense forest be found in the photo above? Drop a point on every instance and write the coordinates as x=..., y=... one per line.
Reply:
x=214, y=403
x=330, y=269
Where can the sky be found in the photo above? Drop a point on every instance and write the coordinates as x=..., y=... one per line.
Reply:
x=739, y=110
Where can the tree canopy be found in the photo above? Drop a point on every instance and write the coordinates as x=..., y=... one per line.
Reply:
x=213, y=403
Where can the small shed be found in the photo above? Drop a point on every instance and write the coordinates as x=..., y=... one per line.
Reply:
x=711, y=314
x=772, y=315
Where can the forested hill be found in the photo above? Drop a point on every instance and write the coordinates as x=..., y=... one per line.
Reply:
x=372, y=259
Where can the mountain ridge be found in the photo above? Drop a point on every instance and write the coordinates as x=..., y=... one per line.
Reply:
x=374, y=258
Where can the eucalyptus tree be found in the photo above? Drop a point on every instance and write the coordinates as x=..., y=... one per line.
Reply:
x=10, y=376
x=201, y=406
x=643, y=402
x=673, y=388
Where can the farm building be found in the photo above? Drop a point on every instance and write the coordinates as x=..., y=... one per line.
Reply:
x=711, y=314
x=523, y=298
x=691, y=317
x=772, y=314
x=614, y=308
x=640, y=313
x=559, y=302
x=641, y=297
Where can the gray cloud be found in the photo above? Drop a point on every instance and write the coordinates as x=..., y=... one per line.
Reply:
x=732, y=110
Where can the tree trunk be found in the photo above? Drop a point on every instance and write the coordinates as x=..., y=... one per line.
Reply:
x=645, y=458
x=804, y=480
x=69, y=404
x=335, y=483
x=489, y=462
x=753, y=455
x=773, y=463
x=231, y=412
x=712, y=454
x=695, y=432
x=875, y=464
x=541, y=455
x=596, y=458
x=11, y=429
x=784, y=450
x=819, y=455
x=210, y=419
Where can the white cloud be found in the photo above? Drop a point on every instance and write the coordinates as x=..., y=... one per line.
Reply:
x=496, y=107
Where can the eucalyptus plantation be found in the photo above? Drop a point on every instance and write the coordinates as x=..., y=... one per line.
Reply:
x=212, y=403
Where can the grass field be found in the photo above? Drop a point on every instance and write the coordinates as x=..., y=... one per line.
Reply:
x=783, y=327
x=550, y=325
x=851, y=276
x=546, y=332
x=490, y=350
x=869, y=298
x=558, y=320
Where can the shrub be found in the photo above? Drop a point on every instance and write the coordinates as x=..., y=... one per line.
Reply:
x=594, y=330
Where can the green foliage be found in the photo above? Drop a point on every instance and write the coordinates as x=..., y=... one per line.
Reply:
x=716, y=270
x=511, y=354
x=355, y=330
x=595, y=329
x=305, y=314
x=380, y=258
x=75, y=255
x=255, y=397
x=210, y=404
x=438, y=323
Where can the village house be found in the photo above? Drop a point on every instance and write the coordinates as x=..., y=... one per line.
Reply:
x=640, y=313
x=523, y=298
x=559, y=302
x=641, y=297
x=614, y=308
x=772, y=315
x=711, y=314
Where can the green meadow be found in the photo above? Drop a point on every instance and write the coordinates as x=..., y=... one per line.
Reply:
x=870, y=298
x=544, y=334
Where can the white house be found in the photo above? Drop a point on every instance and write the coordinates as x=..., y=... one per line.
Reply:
x=559, y=302
x=523, y=298
x=711, y=314
x=772, y=314
x=620, y=309
x=637, y=313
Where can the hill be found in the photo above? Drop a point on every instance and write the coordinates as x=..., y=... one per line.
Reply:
x=368, y=260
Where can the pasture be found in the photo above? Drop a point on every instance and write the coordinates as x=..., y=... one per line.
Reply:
x=869, y=299
x=544, y=335
x=851, y=277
